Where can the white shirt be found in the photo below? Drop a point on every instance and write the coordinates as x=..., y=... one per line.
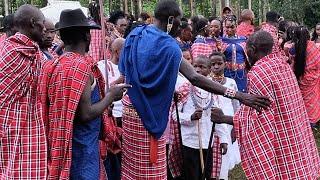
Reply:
x=189, y=129
x=113, y=74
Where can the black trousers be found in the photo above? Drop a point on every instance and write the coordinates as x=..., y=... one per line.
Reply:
x=192, y=163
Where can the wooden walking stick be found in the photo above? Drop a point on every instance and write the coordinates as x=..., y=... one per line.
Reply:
x=104, y=44
x=200, y=146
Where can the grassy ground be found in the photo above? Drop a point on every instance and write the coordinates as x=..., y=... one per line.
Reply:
x=237, y=173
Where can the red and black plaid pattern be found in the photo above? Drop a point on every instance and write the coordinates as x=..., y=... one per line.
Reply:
x=274, y=33
x=175, y=154
x=23, y=147
x=245, y=29
x=65, y=79
x=136, y=149
x=278, y=142
x=201, y=49
x=310, y=82
x=95, y=49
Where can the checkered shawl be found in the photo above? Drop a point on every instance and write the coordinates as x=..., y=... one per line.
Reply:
x=310, y=83
x=63, y=82
x=95, y=49
x=202, y=47
x=175, y=153
x=245, y=29
x=274, y=33
x=23, y=146
x=278, y=142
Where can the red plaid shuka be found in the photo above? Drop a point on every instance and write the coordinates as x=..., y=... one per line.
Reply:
x=95, y=49
x=136, y=148
x=277, y=143
x=62, y=84
x=175, y=154
x=23, y=146
x=310, y=82
x=274, y=33
x=245, y=29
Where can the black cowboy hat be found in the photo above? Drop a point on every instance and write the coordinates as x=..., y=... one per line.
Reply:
x=75, y=18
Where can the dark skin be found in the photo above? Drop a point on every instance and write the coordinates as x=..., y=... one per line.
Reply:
x=215, y=28
x=255, y=50
x=86, y=111
x=196, y=79
x=30, y=22
x=202, y=66
x=48, y=35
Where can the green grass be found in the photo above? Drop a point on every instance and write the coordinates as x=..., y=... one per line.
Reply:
x=238, y=174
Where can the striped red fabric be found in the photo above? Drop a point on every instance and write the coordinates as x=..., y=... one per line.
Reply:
x=277, y=143
x=23, y=146
x=136, y=149
x=274, y=33
x=310, y=82
x=245, y=29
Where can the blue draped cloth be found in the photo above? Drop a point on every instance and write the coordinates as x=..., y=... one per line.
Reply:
x=85, y=146
x=150, y=62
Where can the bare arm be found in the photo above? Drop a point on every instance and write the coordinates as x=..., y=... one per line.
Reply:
x=202, y=82
x=87, y=111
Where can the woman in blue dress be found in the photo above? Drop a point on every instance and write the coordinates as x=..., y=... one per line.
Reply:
x=234, y=49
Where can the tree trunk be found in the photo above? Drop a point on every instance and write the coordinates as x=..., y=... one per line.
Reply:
x=223, y=4
x=110, y=6
x=249, y=5
x=6, y=7
x=180, y=4
x=131, y=7
x=125, y=6
x=260, y=12
x=214, y=7
x=192, y=7
x=121, y=5
x=265, y=6
x=140, y=6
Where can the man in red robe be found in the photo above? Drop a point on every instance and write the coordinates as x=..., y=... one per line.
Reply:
x=271, y=26
x=74, y=102
x=276, y=143
x=246, y=27
x=23, y=146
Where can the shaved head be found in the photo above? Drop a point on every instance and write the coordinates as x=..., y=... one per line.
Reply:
x=117, y=44
x=262, y=41
x=247, y=15
x=29, y=21
x=116, y=47
x=259, y=45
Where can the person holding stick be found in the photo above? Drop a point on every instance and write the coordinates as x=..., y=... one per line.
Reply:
x=150, y=62
x=195, y=118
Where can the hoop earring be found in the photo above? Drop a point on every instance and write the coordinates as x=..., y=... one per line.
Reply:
x=170, y=24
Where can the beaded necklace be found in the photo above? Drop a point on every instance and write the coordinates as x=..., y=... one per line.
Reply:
x=196, y=97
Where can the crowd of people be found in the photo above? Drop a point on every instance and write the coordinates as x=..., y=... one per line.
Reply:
x=160, y=97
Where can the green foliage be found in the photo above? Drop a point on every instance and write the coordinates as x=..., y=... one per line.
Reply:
x=305, y=12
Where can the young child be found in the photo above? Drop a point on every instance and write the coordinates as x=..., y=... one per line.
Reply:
x=195, y=118
x=229, y=107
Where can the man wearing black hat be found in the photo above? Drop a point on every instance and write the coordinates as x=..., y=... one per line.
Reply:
x=73, y=93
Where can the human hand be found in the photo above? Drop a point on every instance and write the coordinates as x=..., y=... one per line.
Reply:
x=233, y=135
x=217, y=115
x=117, y=91
x=223, y=148
x=255, y=101
x=196, y=115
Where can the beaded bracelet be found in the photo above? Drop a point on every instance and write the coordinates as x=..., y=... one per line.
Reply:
x=230, y=93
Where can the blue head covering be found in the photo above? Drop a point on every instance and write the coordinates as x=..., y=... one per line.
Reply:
x=150, y=62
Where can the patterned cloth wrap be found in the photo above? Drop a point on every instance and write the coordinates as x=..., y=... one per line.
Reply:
x=278, y=142
x=23, y=146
